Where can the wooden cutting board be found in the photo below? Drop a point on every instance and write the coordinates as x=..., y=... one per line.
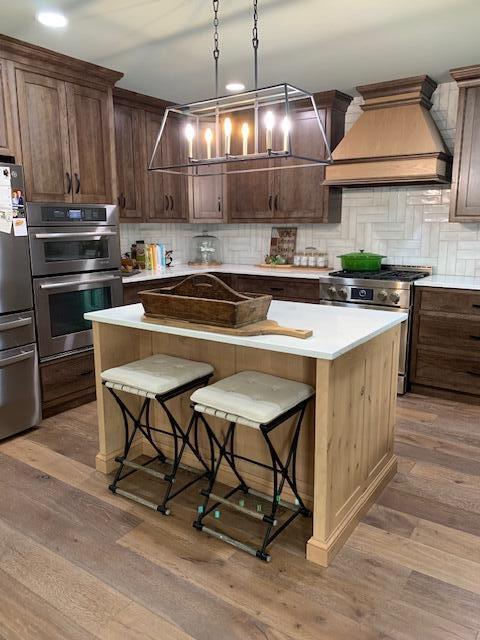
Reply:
x=263, y=328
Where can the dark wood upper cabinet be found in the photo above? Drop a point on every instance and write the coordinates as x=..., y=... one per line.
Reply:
x=294, y=195
x=9, y=133
x=59, y=123
x=90, y=124
x=206, y=197
x=131, y=154
x=465, y=194
x=42, y=108
x=168, y=198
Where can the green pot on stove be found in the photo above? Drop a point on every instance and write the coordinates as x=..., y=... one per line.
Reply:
x=361, y=261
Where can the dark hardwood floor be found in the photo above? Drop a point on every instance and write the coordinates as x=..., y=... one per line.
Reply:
x=77, y=562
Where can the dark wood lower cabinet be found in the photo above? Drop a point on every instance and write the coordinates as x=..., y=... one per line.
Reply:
x=445, y=359
x=281, y=288
x=67, y=382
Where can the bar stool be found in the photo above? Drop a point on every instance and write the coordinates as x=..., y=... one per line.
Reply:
x=259, y=401
x=161, y=378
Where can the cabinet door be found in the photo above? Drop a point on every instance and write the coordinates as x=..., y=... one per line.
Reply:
x=298, y=193
x=168, y=199
x=207, y=197
x=250, y=195
x=465, y=203
x=42, y=107
x=130, y=145
x=89, y=120
x=9, y=134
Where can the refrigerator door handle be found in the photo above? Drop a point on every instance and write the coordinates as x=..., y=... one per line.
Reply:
x=24, y=355
x=21, y=322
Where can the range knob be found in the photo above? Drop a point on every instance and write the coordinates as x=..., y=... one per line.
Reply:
x=332, y=291
x=382, y=296
x=343, y=293
x=395, y=297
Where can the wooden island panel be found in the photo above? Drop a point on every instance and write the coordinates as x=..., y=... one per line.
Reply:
x=345, y=455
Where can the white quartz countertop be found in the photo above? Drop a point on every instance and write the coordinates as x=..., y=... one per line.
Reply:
x=243, y=269
x=450, y=282
x=336, y=330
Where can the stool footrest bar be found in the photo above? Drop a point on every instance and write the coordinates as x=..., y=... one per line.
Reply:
x=236, y=543
x=249, y=512
x=141, y=467
x=146, y=503
x=281, y=503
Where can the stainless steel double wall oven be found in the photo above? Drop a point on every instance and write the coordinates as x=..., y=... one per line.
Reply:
x=75, y=256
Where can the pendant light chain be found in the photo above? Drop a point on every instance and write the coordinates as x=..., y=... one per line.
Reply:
x=216, y=50
x=255, y=41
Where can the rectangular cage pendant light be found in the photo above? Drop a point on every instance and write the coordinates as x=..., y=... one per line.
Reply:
x=265, y=129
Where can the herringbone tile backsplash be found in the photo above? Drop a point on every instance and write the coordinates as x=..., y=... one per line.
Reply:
x=409, y=225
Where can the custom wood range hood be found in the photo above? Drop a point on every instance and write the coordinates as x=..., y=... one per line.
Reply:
x=395, y=140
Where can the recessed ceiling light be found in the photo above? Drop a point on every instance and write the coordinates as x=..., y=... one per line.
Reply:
x=52, y=19
x=235, y=86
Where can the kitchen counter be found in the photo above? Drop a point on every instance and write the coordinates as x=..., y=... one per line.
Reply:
x=336, y=330
x=345, y=453
x=242, y=269
x=450, y=282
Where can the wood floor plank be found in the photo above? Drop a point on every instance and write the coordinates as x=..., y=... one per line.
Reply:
x=443, y=599
x=458, y=543
x=26, y=616
x=245, y=589
x=430, y=471
x=200, y=614
x=417, y=557
x=75, y=594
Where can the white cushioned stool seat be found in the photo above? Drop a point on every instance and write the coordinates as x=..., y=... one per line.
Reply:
x=155, y=375
x=250, y=398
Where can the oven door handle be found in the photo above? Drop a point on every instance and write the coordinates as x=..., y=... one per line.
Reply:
x=24, y=355
x=79, y=234
x=14, y=324
x=59, y=285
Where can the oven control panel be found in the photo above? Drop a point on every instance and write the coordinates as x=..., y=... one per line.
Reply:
x=74, y=214
x=384, y=295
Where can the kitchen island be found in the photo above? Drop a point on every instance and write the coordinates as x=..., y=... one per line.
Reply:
x=345, y=456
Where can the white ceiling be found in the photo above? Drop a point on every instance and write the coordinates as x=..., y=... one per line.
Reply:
x=164, y=47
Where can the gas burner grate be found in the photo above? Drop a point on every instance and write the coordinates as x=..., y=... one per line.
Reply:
x=385, y=274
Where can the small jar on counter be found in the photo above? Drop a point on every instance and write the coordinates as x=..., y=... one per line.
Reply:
x=322, y=260
x=297, y=259
x=311, y=254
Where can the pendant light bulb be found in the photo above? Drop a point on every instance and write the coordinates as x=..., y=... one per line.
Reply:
x=227, y=128
x=286, y=126
x=208, y=140
x=269, y=124
x=245, y=132
x=190, y=134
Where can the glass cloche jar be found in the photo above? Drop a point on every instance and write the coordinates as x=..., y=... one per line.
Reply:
x=205, y=250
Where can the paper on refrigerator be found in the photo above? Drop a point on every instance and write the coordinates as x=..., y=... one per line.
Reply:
x=6, y=207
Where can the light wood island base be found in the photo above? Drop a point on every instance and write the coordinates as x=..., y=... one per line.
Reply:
x=345, y=454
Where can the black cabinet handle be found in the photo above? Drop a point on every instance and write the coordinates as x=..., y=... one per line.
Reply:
x=275, y=205
x=475, y=337
x=219, y=205
x=69, y=182
x=474, y=373
x=276, y=289
x=86, y=373
x=77, y=178
x=124, y=202
x=121, y=201
x=476, y=306
x=167, y=203
x=270, y=202
x=171, y=202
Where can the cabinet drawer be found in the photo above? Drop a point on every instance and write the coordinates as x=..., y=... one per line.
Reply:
x=280, y=288
x=450, y=301
x=68, y=375
x=449, y=332
x=130, y=291
x=448, y=371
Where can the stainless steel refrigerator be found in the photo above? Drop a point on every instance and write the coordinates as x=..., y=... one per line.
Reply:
x=19, y=375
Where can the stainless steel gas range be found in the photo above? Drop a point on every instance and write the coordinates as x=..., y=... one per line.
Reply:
x=390, y=289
